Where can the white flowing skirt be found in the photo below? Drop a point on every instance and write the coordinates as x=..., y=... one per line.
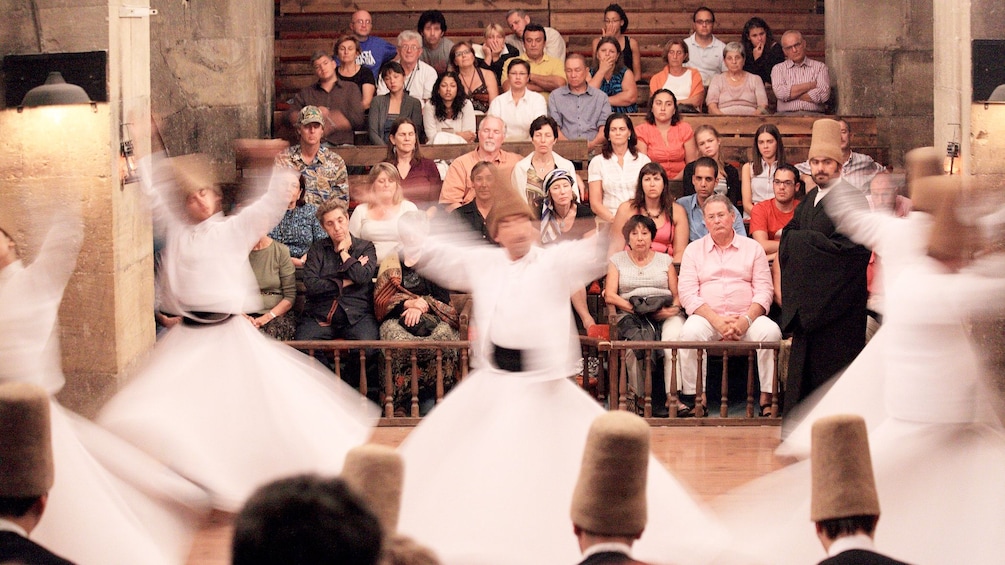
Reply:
x=489, y=476
x=231, y=410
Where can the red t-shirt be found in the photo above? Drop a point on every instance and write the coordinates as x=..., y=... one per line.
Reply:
x=765, y=216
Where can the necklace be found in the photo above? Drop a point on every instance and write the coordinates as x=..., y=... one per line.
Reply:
x=468, y=82
x=652, y=215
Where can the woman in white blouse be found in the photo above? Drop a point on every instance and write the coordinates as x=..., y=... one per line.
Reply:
x=529, y=172
x=376, y=219
x=614, y=173
x=449, y=111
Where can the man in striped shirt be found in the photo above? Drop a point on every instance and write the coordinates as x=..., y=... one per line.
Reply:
x=801, y=84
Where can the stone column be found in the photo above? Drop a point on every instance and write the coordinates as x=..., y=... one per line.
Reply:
x=985, y=137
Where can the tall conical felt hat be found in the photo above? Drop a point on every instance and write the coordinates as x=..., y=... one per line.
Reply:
x=922, y=163
x=506, y=202
x=26, y=467
x=610, y=495
x=841, y=467
x=194, y=172
x=376, y=473
x=826, y=140
x=950, y=239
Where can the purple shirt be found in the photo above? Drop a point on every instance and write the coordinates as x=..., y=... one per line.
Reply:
x=729, y=279
x=787, y=73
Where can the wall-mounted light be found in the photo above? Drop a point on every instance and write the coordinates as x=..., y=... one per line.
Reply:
x=127, y=163
x=952, y=153
x=55, y=92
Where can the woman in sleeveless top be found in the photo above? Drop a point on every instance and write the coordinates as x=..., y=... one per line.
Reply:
x=615, y=26
x=613, y=78
x=654, y=200
x=757, y=174
x=481, y=87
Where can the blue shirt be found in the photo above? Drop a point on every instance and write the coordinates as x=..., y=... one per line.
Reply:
x=298, y=229
x=579, y=116
x=696, y=218
x=374, y=52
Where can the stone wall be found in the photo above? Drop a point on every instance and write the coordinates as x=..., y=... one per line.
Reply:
x=986, y=136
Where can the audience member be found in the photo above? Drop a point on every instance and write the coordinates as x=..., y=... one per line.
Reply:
x=376, y=218
x=609, y=500
x=324, y=172
x=684, y=82
x=546, y=72
x=494, y=52
x=704, y=180
x=704, y=48
x=457, y=188
x=665, y=137
x=435, y=48
x=883, y=195
x=449, y=112
x=338, y=276
x=479, y=87
x=613, y=78
x=348, y=70
x=529, y=172
x=823, y=275
x=306, y=519
x=519, y=105
x=768, y=217
x=579, y=109
x=736, y=92
x=340, y=103
x=641, y=273
x=518, y=20
x=373, y=51
x=763, y=52
x=614, y=174
x=565, y=218
x=802, y=85
x=418, y=76
x=707, y=139
x=26, y=472
x=756, y=175
x=393, y=103
x=654, y=200
x=857, y=169
x=277, y=284
x=615, y=26
x=420, y=179
x=476, y=212
x=725, y=286
x=299, y=228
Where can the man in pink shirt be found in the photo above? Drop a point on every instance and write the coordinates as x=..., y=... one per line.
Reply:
x=725, y=287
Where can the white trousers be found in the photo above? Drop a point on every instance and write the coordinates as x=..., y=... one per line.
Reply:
x=697, y=328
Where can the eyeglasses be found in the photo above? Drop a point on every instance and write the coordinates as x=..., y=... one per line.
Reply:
x=793, y=46
x=459, y=53
x=409, y=47
x=785, y=183
x=704, y=22
x=614, y=21
x=362, y=21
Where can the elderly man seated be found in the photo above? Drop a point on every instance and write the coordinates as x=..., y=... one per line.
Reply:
x=725, y=287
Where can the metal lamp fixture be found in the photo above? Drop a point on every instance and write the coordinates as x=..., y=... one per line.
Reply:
x=55, y=92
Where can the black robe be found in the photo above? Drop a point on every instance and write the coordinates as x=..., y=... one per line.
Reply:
x=860, y=557
x=18, y=549
x=823, y=298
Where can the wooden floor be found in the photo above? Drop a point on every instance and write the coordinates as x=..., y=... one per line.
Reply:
x=709, y=460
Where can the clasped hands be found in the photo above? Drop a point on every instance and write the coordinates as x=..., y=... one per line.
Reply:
x=414, y=309
x=731, y=328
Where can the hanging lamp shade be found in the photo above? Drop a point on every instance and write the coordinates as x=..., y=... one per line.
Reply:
x=56, y=91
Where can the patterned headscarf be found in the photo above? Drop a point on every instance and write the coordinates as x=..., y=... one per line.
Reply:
x=551, y=223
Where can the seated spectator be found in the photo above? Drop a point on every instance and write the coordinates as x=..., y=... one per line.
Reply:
x=476, y=212
x=529, y=172
x=324, y=172
x=338, y=276
x=665, y=137
x=519, y=105
x=769, y=216
x=756, y=176
x=376, y=219
x=420, y=179
x=802, y=85
x=704, y=47
x=494, y=52
x=642, y=272
x=615, y=26
x=299, y=228
x=883, y=195
x=418, y=77
x=725, y=286
x=394, y=103
x=704, y=180
x=684, y=82
x=449, y=112
x=762, y=51
x=306, y=519
x=546, y=73
x=518, y=21
x=736, y=92
x=654, y=200
x=613, y=78
x=562, y=213
x=707, y=139
x=340, y=103
x=480, y=87
x=277, y=282
x=348, y=70
x=858, y=169
x=410, y=307
x=435, y=48
x=457, y=188
x=579, y=109
x=373, y=51
x=614, y=174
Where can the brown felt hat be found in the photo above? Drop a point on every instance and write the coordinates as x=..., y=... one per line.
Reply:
x=610, y=495
x=841, y=467
x=376, y=473
x=920, y=163
x=944, y=197
x=506, y=202
x=826, y=140
x=26, y=468
x=194, y=172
